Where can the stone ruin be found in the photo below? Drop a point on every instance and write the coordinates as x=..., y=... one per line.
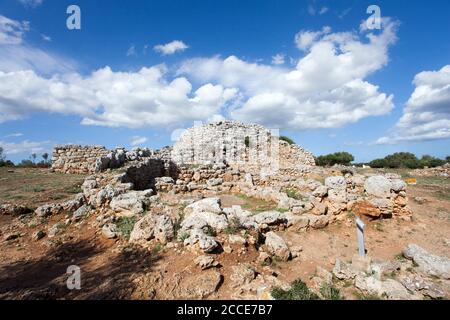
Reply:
x=174, y=194
x=236, y=143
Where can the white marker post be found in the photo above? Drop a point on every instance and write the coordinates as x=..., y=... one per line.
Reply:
x=360, y=232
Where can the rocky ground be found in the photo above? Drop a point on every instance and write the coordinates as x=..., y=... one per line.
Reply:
x=217, y=243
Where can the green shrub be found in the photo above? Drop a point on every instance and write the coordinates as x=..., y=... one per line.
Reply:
x=287, y=139
x=125, y=226
x=298, y=291
x=343, y=158
x=234, y=226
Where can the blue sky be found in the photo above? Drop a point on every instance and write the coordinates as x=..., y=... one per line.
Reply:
x=138, y=70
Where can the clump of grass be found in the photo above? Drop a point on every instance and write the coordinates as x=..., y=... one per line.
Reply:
x=330, y=292
x=298, y=291
x=282, y=210
x=183, y=236
x=234, y=226
x=157, y=249
x=293, y=193
x=400, y=257
x=125, y=226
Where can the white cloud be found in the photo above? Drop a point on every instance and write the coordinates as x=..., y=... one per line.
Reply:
x=426, y=115
x=278, y=59
x=16, y=54
x=137, y=140
x=304, y=39
x=323, y=10
x=14, y=135
x=325, y=89
x=24, y=147
x=31, y=3
x=131, y=51
x=108, y=98
x=171, y=47
x=46, y=38
x=12, y=31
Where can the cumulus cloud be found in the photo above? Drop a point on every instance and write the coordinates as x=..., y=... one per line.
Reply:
x=16, y=54
x=138, y=140
x=278, y=59
x=24, y=147
x=426, y=114
x=325, y=89
x=108, y=98
x=171, y=47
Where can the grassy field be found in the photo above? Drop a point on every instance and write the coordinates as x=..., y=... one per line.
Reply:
x=33, y=187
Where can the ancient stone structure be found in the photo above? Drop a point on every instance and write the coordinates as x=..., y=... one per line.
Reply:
x=93, y=159
x=236, y=143
x=77, y=158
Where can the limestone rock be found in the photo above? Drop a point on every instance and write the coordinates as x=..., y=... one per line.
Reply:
x=206, y=243
x=428, y=263
x=133, y=202
x=378, y=186
x=242, y=274
x=206, y=262
x=205, y=205
x=109, y=230
x=276, y=246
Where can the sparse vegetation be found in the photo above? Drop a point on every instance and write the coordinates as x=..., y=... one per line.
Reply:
x=293, y=193
x=234, y=226
x=256, y=205
x=125, y=226
x=330, y=292
x=298, y=291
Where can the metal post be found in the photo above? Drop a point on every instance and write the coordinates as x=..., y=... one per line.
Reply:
x=360, y=232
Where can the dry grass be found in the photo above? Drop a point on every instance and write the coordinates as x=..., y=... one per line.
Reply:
x=33, y=186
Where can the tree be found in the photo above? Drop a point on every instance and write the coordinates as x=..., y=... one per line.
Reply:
x=33, y=156
x=45, y=157
x=287, y=139
x=2, y=157
x=431, y=162
x=447, y=159
x=343, y=158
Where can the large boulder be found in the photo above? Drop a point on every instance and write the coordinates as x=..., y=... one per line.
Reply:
x=389, y=288
x=276, y=246
x=152, y=226
x=269, y=218
x=428, y=263
x=131, y=203
x=205, y=205
x=378, y=186
x=199, y=220
x=205, y=243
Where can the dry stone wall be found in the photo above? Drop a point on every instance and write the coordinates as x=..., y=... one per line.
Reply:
x=76, y=158
x=236, y=143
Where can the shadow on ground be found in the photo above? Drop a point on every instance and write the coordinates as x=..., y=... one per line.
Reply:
x=45, y=278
